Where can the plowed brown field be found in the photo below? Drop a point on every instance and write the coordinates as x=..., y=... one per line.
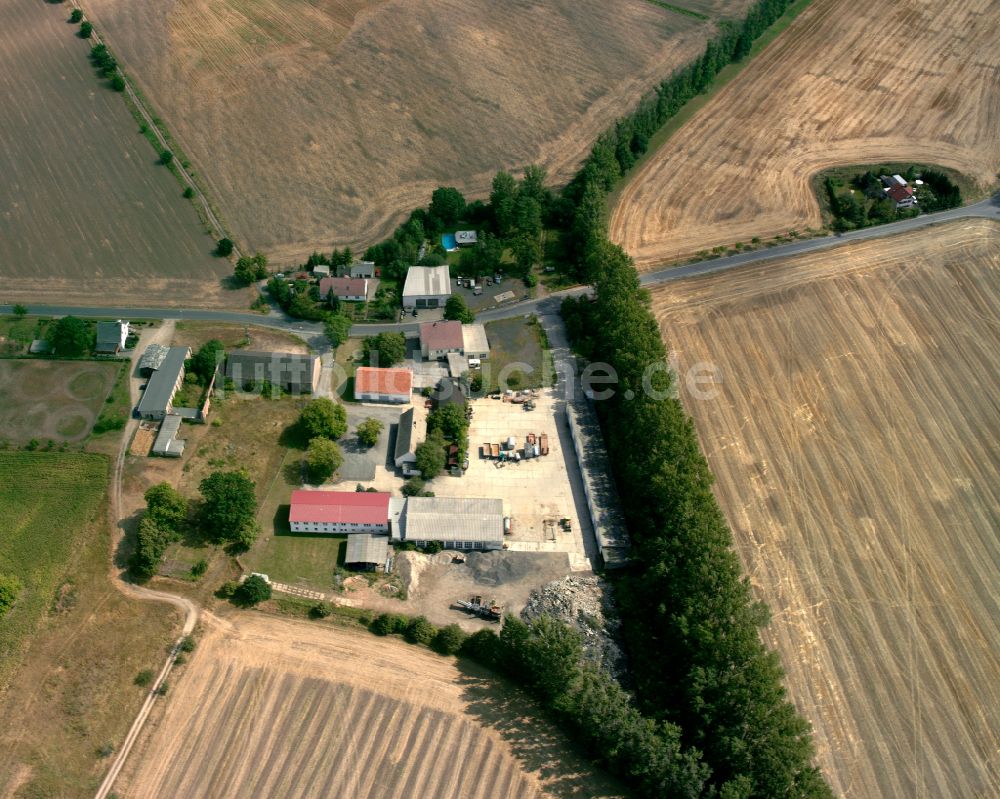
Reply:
x=854, y=441
x=273, y=707
x=319, y=122
x=847, y=83
x=86, y=216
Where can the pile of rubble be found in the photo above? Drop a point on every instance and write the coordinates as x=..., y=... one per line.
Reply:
x=584, y=603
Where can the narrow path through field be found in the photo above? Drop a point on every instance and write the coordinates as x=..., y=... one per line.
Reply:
x=161, y=335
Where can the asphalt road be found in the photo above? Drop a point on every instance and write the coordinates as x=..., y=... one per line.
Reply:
x=987, y=209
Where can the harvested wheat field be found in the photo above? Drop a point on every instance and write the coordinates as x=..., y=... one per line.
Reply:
x=847, y=83
x=86, y=216
x=854, y=442
x=319, y=122
x=273, y=707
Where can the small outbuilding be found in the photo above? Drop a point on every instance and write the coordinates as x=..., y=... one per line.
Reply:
x=366, y=552
x=158, y=398
x=426, y=287
x=365, y=269
x=321, y=271
x=373, y=384
x=152, y=358
x=448, y=391
x=167, y=444
x=474, y=341
x=405, y=450
x=465, y=238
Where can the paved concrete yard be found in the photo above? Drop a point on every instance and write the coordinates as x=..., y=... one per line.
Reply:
x=536, y=492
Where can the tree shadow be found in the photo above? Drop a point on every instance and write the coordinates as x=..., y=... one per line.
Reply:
x=294, y=437
x=126, y=545
x=533, y=737
x=280, y=522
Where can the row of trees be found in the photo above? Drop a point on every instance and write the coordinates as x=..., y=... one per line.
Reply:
x=690, y=623
x=107, y=64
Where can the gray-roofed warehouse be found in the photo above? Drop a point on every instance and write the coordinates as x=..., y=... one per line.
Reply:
x=158, y=398
x=457, y=522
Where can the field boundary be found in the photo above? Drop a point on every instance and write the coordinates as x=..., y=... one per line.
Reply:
x=696, y=103
x=161, y=141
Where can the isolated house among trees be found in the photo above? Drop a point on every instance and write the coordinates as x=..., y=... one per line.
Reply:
x=111, y=337
x=296, y=374
x=426, y=287
x=364, y=269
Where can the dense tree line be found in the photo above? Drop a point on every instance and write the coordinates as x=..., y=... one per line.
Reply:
x=162, y=523
x=689, y=619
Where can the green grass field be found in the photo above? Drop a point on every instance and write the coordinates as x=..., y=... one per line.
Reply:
x=47, y=500
x=298, y=559
x=515, y=347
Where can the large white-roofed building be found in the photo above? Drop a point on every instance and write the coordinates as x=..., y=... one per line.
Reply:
x=426, y=287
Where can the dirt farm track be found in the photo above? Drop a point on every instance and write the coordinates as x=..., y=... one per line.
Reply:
x=358, y=109
x=272, y=707
x=854, y=441
x=847, y=83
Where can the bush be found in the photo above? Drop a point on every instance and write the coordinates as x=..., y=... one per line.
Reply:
x=252, y=591
x=188, y=193
x=388, y=624
x=413, y=487
x=449, y=640
x=75, y=16
x=224, y=248
x=199, y=568
x=483, y=646
x=166, y=157
x=163, y=688
x=144, y=678
x=10, y=589
x=320, y=610
x=86, y=30
x=369, y=431
x=420, y=631
x=118, y=83
x=188, y=644
x=433, y=547
x=227, y=589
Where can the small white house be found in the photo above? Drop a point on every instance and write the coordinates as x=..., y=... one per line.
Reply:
x=426, y=287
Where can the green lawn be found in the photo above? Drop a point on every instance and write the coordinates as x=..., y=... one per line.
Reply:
x=47, y=500
x=298, y=559
x=515, y=347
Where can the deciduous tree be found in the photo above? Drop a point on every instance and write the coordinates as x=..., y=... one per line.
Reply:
x=324, y=458
x=323, y=418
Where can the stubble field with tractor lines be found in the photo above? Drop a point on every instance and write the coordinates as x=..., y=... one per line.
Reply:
x=854, y=443
x=847, y=83
x=323, y=122
x=275, y=707
x=86, y=216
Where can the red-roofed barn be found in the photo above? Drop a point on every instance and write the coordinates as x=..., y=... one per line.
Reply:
x=339, y=512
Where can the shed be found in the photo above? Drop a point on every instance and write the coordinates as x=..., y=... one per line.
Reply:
x=448, y=391
x=152, y=358
x=457, y=364
x=321, y=270
x=465, y=238
x=366, y=551
x=363, y=269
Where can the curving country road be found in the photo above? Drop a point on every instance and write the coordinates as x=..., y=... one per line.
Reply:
x=986, y=209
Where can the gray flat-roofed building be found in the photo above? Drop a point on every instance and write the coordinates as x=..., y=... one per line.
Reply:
x=151, y=359
x=457, y=522
x=404, y=452
x=296, y=374
x=111, y=337
x=158, y=398
x=167, y=444
x=476, y=343
x=599, y=488
x=465, y=238
x=366, y=551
